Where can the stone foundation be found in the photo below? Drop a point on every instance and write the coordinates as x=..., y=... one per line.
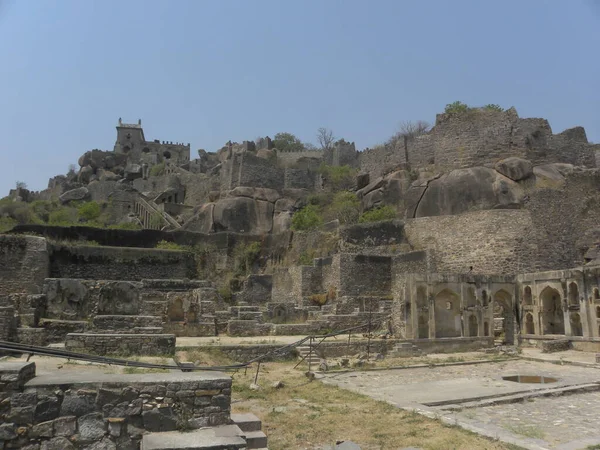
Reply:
x=106, y=410
x=121, y=344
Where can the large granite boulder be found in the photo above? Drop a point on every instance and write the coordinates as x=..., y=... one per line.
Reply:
x=202, y=221
x=460, y=191
x=85, y=174
x=99, y=159
x=258, y=193
x=81, y=193
x=243, y=215
x=515, y=168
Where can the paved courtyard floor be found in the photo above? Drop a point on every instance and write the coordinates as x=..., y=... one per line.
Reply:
x=466, y=395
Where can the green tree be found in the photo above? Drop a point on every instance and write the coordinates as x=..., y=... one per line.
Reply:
x=287, y=142
x=89, y=211
x=308, y=218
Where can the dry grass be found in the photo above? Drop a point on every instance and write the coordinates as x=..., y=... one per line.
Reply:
x=307, y=414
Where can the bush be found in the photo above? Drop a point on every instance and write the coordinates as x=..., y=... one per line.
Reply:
x=493, y=107
x=63, y=216
x=344, y=207
x=456, y=108
x=378, y=214
x=246, y=256
x=308, y=218
x=6, y=224
x=157, y=170
x=166, y=245
x=338, y=177
x=89, y=211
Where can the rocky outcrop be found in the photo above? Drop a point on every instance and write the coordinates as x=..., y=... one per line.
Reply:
x=81, y=193
x=461, y=191
x=516, y=169
x=243, y=215
x=389, y=190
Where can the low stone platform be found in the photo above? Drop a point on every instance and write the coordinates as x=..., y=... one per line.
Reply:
x=228, y=437
x=123, y=324
x=99, y=410
x=121, y=344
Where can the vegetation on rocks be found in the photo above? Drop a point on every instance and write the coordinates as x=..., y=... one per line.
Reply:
x=378, y=214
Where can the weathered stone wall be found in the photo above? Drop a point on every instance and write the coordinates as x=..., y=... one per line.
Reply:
x=24, y=263
x=287, y=159
x=121, y=344
x=561, y=215
x=491, y=242
x=364, y=275
x=480, y=138
x=246, y=169
x=110, y=410
x=381, y=160
x=114, y=263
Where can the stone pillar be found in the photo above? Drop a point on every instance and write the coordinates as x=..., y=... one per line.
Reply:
x=7, y=323
x=431, y=314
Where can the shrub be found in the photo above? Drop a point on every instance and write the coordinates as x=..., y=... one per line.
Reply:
x=89, y=211
x=126, y=226
x=157, y=170
x=306, y=257
x=6, y=224
x=318, y=299
x=63, y=216
x=166, y=245
x=378, y=214
x=345, y=207
x=493, y=107
x=308, y=218
x=338, y=177
x=246, y=256
x=456, y=108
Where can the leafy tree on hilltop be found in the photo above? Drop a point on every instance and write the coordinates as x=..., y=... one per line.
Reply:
x=287, y=142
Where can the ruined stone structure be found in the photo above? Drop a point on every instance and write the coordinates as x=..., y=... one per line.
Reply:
x=496, y=240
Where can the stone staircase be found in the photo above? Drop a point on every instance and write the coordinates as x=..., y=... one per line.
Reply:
x=244, y=433
x=314, y=359
x=405, y=350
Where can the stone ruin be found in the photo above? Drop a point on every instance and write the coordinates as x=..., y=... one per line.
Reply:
x=497, y=243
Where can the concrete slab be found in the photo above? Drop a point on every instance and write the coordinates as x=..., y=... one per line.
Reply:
x=84, y=378
x=226, y=437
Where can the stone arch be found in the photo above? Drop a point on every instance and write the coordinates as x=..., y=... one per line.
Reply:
x=167, y=154
x=471, y=299
x=473, y=326
x=527, y=296
x=175, y=311
x=596, y=294
x=576, y=326
x=423, y=325
x=504, y=317
x=573, y=294
x=529, y=327
x=597, y=312
x=553, y=320
x=447, y=314
x=486, y=329
x=146, y=150
x=279, y=313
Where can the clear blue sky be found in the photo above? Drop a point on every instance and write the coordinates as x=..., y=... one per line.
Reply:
x=206, y=72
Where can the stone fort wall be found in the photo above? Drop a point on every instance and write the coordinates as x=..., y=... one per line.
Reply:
x=481, y=138
x=24, y=264
x=492, y=241
x=119, y=263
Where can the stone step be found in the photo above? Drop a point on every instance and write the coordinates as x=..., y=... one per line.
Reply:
x=250, y=315
x=247, y=422
x=255, y=439
x=225, y=437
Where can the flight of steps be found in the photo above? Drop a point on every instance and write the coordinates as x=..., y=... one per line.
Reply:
x=244, y=433
x=304, y=352
x=405, y=350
